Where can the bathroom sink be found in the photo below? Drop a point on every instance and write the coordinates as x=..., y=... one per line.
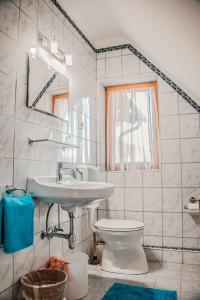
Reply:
x=71, y=193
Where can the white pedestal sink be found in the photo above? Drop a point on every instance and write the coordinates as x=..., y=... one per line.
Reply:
x=71, y=193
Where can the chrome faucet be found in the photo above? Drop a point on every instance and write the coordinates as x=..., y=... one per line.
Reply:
x=61, y=167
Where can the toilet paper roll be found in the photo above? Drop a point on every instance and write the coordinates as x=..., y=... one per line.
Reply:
x=193, y=205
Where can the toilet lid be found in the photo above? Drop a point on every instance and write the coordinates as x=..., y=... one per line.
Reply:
x=119, y=225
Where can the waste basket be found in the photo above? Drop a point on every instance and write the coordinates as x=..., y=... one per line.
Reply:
x=44, y=284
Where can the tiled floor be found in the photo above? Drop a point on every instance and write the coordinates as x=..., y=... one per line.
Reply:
x=185, y=279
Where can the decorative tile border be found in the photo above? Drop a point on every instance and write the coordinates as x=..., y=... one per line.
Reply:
x=59, y=7
x=182, y=249
x=170, y=82
x=155, y=70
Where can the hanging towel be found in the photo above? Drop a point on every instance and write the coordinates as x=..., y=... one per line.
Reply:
x=18, y=222
x=1, y=221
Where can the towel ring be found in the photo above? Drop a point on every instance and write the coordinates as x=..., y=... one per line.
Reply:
x=10, y=190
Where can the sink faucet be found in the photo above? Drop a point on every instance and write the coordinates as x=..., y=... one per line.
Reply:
x=61, y=167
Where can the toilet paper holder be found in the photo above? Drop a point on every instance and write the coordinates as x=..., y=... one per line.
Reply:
x=193, y=206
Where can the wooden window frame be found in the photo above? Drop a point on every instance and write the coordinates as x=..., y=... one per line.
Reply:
x=60, y=97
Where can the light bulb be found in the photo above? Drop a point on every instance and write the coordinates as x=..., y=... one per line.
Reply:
x=33, y=52
x=68, y=59
x=54, y=47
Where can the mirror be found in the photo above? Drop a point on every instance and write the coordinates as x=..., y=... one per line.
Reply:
x=48, y=89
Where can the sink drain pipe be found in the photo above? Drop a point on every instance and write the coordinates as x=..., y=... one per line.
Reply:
x=49, y=233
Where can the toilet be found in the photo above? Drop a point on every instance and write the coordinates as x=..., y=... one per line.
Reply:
x=122, y=252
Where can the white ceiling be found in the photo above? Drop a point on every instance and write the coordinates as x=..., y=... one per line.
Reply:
x=166, y=31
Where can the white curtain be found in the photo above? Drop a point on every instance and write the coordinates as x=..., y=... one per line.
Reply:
x=132, y=129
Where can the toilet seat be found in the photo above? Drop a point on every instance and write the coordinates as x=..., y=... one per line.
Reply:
x=119, y=225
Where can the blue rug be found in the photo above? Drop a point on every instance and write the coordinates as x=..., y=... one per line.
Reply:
x=121, y=291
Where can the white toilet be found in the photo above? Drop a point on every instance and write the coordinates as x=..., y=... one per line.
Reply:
x=122, y=252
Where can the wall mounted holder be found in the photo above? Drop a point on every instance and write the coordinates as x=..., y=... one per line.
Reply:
x=193, y=206
x=66, y=145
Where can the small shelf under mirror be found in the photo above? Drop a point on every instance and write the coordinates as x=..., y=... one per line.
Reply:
x=65, y=145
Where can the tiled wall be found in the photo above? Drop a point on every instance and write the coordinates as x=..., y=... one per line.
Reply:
x=20, y=22
x=157, y=197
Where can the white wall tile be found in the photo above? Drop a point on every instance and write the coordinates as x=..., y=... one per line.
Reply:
x=6, y=135
x=41, y=251
x=172, y=241
x=191, y=243
x=116, y=178
x=130, y=65
x=151, y=179
x=8, y=55
x=153, y=254
x=153, y=240
x=133, y=179
x=116, y=214
x=164, y=87
x=27, y=32
x=101, y=68
x=191, y=226
x=171, y=256
x=133, y=199
x=114, y=67
x=101, y=55
x=22, y=170
x=6, y=173
x=7, y=96
x=169, y=127
x=30, y=8
x=134, y=215
x=191, y=175
x=23, y=262
x=171, y=151
x=144, y=68
x=152, y=223
x=172, y=224
x=113, y=53
x=171, y=175
x=189, y=126
x=192, y=259
x=45, y=18
x=6, y=272
x=23, y=112
x=116, y=201
x=172, y=200
x=152, y=199
x=168, y=103
x=190, y=150
x=9, y=17
x=185, y=108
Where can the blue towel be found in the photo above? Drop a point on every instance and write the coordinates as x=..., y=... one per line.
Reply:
x=1, y=222
x=18, y=222
x=120, y=291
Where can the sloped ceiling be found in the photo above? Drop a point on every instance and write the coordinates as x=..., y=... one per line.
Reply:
x=165, y=31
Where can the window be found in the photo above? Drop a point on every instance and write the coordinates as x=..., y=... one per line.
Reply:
x=132, y=132
x=60, y=105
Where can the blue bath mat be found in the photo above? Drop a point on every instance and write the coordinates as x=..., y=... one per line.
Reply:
x=121, y=291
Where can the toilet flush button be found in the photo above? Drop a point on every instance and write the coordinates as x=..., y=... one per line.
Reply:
x=1, y=152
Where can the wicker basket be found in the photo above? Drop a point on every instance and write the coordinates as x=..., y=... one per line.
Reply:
x=44, y=284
